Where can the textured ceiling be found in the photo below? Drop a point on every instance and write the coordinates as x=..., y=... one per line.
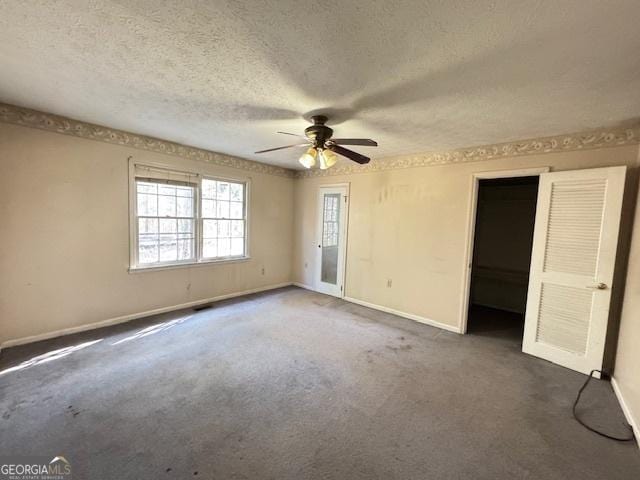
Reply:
x=417, y=76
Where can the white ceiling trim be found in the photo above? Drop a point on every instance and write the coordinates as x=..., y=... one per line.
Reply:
x=600, y=138
x=66, y=126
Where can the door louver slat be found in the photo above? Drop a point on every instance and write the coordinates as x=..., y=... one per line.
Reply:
x=575, y=224
x=564, y=317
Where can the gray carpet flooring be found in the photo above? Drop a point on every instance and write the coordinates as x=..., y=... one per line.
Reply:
x=292, y=384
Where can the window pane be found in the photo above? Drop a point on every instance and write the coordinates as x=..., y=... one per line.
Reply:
x=149, y=237
x=223, y=209
x=236, y=210
x=167, y=190
x=144, y=187
x=185, y=249
x=161, y=236
x=209, y=228
x=147, y=225
x=184, y=206
x=208, y=188
x=224, y=228
x=168, y=225
x=237, y=228
x=147, y=251
x=147, y=205
x=236, y=191
x=210, y=248
x=184, y=192
x=166, y=206
x=222, y=201
x=330, y=220
x=168, y=248
x=208, y=208
x=222, y=191
x=185, y=226
x=237, y=246
x=224, y=247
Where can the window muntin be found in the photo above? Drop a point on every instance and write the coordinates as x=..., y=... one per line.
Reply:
x=166, y=222
x=223, y=219
x=184, y=218
x=330, y=221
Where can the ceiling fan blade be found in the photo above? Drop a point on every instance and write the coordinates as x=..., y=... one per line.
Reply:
x=294, y=134
x=281, y=148
x=350, y=154
x=365, y=142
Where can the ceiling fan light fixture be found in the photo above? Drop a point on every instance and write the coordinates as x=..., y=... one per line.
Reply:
x=323, y=163
x=327, y=159
x=308, y=159
x=325, y=149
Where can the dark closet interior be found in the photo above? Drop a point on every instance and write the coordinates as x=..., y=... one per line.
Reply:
x=503, y=238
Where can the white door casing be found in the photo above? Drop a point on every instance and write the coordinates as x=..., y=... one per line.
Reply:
x=331, y=239
x=572, y=265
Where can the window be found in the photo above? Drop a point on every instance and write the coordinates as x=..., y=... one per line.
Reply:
x=223, y=223
x=330, y=225
x=166, y=222
x=185, y=218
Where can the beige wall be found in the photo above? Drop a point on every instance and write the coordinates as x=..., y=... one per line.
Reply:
x=64, y=247
x=627, y=368
x=410, y=226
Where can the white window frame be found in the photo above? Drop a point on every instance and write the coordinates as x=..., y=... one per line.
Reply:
x=198, y=177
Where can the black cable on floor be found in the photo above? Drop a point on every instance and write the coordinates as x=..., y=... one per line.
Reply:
x=575, y=415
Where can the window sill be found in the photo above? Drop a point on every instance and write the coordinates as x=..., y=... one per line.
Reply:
x=153, y=268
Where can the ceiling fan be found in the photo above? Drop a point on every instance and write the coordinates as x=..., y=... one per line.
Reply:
x=324, y=148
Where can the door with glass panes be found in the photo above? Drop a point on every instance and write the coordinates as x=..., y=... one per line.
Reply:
x=331, y=239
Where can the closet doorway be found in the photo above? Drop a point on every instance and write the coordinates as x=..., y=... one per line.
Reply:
x=570, y=247
x=503, y=239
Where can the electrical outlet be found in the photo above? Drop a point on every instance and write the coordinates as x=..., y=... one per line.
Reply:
x=389, y=283
x=262, y=270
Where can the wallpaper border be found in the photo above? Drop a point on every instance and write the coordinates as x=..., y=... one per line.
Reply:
x=66, y=126
x=589, y=140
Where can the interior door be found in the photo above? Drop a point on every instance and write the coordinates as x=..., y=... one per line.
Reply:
x=332, y=209
x=572, y=263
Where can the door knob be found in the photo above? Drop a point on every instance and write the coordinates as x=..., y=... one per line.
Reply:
x=599, y=286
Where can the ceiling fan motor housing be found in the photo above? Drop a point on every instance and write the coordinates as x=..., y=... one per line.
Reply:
x=318, y=133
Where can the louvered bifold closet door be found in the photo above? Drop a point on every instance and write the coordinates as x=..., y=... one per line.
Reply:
x=572, y=263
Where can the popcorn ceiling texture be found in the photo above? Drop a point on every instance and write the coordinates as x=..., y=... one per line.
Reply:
x=418, y=76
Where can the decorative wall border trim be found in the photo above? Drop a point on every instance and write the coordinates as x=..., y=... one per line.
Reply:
x=601, y=138
x=66, y=126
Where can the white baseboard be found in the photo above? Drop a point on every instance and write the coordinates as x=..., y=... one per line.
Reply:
x=626, y=410
x=134, y=316
x=303, y=285
x=410, y=316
